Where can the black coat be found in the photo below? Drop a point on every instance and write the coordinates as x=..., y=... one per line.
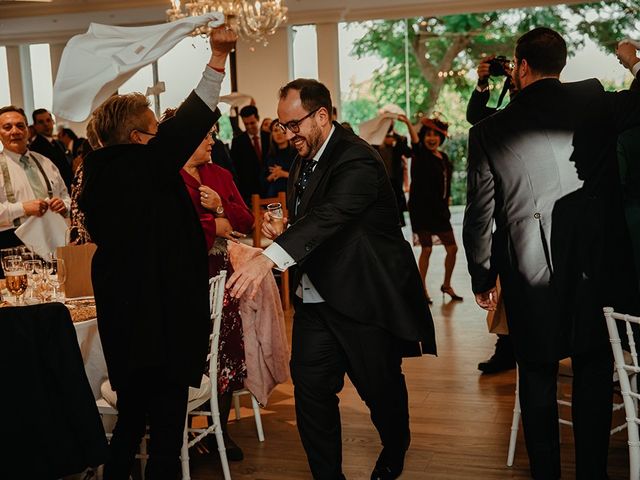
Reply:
x=149, y=271
x=519, y=167
x=56, y=153
x=249, y=167
x=346, y=238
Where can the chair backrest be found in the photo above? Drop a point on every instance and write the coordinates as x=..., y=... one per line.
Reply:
x=625, y=369
x=216, y=300
x=258, y=206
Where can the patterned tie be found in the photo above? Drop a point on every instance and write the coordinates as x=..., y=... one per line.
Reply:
x=39, y=189
x=305, y=175
x=257, y=148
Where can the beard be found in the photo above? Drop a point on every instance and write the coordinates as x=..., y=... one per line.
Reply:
x=308, y=146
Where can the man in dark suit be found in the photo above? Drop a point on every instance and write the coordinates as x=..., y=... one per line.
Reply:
x=154, y=329
x=520, y=165
x=360, y=304
x=477, y=110
x=46, y=145
x=248, y=153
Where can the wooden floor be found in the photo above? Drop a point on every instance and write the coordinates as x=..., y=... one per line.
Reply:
x=460, y=419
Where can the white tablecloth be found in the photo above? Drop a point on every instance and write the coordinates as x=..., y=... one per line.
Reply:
x=92, y=355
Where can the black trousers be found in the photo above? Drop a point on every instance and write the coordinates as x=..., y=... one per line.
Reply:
x=325, y=346
x=592, y=401
x=148, y=398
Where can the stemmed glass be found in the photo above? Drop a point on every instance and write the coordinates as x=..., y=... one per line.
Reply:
x=57, y=273
x=35, y=275
x=16, y=277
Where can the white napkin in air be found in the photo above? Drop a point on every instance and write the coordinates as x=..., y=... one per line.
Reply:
x=96, y=63
x=43, y=234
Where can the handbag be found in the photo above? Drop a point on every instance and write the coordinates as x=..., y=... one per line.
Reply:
x=77, y=259
x=497, y=319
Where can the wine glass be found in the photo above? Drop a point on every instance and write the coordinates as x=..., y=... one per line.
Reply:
x=16, y=278
x=35, y=274
x=57, y=273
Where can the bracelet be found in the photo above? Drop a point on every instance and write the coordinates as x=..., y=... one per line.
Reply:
x=219, y=70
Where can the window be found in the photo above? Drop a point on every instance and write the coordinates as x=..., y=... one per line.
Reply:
x=181, y=68
x=41, y=75
x=139, y=83
x=5, y=93
x=305, y=51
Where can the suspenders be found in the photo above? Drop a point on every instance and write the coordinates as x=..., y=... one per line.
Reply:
x=8, y=187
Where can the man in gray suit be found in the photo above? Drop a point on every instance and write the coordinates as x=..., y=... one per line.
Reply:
x=521, y=162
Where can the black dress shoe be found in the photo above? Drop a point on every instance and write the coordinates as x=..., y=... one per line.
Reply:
x=389, y=466
x=497, y=364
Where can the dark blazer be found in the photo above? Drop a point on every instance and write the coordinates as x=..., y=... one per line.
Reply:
x=149, y=271
x=346, y=237
x=520, y=164
x=56, y=153
x=248, y=166
x=39, y=354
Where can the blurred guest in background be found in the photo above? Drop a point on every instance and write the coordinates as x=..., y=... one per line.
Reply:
x=430, y=196
x=45, y=144
x=394, y=151
x=279, y=160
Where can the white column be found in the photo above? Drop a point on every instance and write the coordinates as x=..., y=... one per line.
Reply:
x=263, y=70
x=329, y=59
x=15, y=75
x=27, y=80
x=55, y=53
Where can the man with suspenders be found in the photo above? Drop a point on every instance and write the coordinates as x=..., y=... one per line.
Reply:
x=30, y=184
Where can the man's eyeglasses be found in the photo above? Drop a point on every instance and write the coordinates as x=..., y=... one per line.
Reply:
x=294, y=125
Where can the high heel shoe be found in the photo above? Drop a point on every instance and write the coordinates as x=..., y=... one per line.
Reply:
x=449, y=291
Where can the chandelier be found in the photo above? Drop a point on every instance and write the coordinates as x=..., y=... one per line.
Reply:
x=253, y=20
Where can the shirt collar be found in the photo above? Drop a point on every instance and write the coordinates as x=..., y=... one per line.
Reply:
x=15, y=156
x=317, y=156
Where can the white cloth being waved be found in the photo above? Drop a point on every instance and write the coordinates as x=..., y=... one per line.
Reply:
x=22, y=189
x=96, y=63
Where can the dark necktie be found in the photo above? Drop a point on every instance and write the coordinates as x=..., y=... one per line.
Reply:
x=257, y=148
x=305, y=175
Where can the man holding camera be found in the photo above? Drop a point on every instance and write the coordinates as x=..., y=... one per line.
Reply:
x=477, y=110
x=520, y=172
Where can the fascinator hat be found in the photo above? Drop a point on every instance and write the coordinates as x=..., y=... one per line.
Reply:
x=436, y=123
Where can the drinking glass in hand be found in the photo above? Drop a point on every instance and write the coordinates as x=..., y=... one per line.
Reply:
x=277, y=216
x=16, y=278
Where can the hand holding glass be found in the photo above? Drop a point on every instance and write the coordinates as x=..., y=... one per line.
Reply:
x=276, y=216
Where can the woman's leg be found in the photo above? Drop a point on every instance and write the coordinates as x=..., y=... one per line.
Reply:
x=449, y=263
x=423, y=265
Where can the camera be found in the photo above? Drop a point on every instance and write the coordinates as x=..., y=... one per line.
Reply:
x=497, y=66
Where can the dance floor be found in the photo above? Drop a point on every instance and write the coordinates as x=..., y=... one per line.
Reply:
x=460, y=420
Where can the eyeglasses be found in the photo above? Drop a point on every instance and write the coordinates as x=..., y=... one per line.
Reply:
x=294, y=125
x=146, y=133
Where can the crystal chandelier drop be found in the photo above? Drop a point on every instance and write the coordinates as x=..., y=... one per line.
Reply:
x=253, y=20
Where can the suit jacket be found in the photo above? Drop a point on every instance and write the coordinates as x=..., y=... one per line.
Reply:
x=477, y=107
x=346, y=237
x=522, y=161
x=247, y=164
x=149, y=272
x=56, y=153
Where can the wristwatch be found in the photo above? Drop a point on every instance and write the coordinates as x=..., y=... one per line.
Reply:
x=219, y=211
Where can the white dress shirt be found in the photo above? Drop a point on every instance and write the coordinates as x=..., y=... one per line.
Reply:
x=22, y=189
x=278, y=255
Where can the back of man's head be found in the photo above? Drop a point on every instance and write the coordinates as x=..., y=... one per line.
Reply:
x=313, y=94
x=249, y=110
x=544, y=50
x=118, y=116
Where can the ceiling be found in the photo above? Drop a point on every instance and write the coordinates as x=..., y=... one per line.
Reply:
x=28, y=22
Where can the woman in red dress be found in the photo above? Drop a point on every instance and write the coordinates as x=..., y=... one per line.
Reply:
x=223, y=216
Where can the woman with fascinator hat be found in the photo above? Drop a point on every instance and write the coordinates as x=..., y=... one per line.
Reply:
x=429, y=196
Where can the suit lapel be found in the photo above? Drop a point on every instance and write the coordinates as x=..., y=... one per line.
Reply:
x=320, y=170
